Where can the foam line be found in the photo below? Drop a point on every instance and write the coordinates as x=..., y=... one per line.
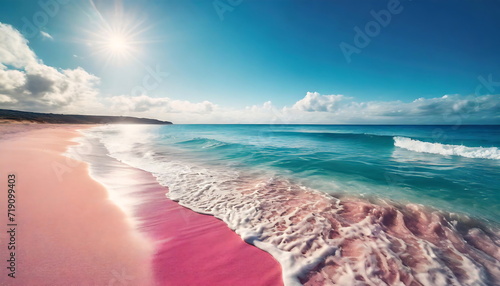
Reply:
x=446, y=149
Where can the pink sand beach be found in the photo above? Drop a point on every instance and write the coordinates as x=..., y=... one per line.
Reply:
x=69, y=232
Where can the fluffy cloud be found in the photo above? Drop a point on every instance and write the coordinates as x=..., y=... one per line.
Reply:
x=26, y=83
x=320, y=109
x=14, y=50
x=487, y=105
x=467, y=107
x=267, y=106
x=448, y=109
x=313, y=101
x=146, y=103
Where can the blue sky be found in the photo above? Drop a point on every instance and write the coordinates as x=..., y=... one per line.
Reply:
x=286, y=53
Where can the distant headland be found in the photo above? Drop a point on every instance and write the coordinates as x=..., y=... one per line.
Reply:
x=7, y=115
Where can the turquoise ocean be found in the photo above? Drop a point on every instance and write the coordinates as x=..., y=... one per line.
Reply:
x=314, y=195
x=454, y=168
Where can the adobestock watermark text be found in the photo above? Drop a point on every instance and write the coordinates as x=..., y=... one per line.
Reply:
x=363, y=36
x=33, y=25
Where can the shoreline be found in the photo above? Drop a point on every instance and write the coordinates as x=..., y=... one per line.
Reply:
x=190, y=248
x=67, y=229
x=71, y=230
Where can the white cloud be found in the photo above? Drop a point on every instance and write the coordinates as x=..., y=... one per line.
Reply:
x=11, y=79
x=313, y=101
x=440, y=107
x=14, y=50
x=6, y=99
x=146, y=103
x=316, y=108
x=266, y=106
x=449, y=109
x=26, y=83
x=46, y=35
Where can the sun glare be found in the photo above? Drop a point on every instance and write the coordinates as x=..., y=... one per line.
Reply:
x=118, y=44
x=114, y=45
x=116, y=37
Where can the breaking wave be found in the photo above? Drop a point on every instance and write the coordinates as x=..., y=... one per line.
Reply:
x=447, y=150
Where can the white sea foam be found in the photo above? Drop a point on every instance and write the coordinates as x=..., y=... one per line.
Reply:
x=319, y=239
x=446, y=149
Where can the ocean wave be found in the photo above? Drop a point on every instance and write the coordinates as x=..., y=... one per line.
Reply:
x=446, y=149
x=334, y=134
x=204, y=143
x=363, y=138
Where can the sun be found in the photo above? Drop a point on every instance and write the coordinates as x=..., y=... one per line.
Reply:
x=116, y=37
x=118, y=44
x=114, y=45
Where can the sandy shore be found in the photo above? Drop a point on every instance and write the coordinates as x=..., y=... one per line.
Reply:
x=67, y=232
x=70, y=233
